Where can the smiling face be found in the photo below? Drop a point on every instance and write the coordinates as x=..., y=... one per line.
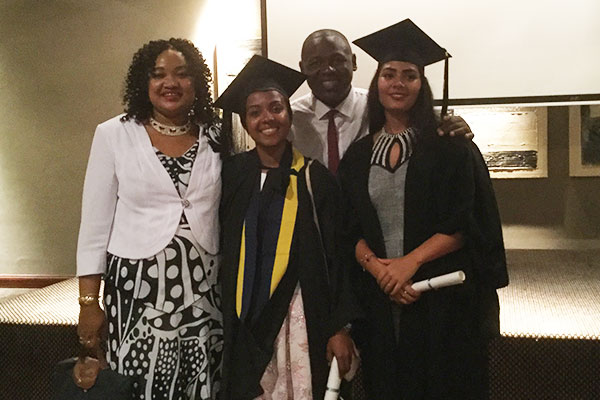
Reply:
x=328, y=63
x=267, y=119
x=399, y=84
x=171, y=88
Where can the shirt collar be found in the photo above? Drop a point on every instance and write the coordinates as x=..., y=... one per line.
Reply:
x=344, y=108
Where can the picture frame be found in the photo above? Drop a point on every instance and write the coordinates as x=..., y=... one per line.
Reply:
x=584, y=140
x=512, y=139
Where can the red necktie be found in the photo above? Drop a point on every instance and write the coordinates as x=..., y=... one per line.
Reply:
x=333, y=155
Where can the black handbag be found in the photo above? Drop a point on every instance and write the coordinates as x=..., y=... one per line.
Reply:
x=109, y=384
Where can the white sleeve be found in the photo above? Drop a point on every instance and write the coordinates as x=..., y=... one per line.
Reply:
x=98, y=206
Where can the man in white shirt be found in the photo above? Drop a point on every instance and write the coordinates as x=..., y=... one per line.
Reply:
x=328, y=62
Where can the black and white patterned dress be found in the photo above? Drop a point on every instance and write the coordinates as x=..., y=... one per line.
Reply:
x=163, y=312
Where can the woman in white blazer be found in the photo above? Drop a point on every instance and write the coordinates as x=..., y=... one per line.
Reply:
x=149, y=228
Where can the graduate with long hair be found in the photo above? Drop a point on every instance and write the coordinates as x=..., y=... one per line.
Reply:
x=418, y=206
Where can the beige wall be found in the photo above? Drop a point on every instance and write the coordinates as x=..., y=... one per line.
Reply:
x=62, y=64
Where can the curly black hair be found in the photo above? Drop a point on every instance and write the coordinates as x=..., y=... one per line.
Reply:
x=135, y=94
x=422, y=115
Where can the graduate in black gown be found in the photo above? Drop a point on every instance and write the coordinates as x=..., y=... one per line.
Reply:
x=418, y=206
x=286, y=298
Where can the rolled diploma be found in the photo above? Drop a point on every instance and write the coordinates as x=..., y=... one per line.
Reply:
x=333, y=381
x=453, y=278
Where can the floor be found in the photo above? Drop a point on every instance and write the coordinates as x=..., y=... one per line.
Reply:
x=552, y=293
x=8, y=293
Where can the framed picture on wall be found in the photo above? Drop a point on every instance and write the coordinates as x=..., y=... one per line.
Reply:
x=513, y=140
x=584, y=140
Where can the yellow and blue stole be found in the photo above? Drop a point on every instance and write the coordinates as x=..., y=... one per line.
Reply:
x=266, y=241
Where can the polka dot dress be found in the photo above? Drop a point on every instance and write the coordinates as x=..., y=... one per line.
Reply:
x=163, y=313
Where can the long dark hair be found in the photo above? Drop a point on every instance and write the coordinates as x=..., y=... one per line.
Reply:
x=422, y=116
x=135, y=94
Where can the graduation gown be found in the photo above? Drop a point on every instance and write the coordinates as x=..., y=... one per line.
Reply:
x=440, y=352
x=328, y=302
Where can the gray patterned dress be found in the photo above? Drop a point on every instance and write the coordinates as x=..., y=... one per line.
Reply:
x=386, y=189
x=163, y=312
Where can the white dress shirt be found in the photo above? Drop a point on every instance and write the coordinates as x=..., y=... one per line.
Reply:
x=309, y=124
x=130, y=206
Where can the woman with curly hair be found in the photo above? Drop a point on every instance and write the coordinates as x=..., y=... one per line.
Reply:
x=149, y=228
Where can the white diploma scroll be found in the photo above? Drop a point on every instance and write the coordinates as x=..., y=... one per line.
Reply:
x=453, y=278
x=333, y=381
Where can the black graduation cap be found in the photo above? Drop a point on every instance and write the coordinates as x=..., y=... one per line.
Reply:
x=405, y=41
x=259, y=73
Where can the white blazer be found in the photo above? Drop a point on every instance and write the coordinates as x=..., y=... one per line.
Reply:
x=130, y=206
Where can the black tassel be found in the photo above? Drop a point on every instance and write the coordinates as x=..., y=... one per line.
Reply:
x=445, y=99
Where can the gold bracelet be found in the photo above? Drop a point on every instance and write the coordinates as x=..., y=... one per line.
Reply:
x=367, y=257
x=88, y=299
